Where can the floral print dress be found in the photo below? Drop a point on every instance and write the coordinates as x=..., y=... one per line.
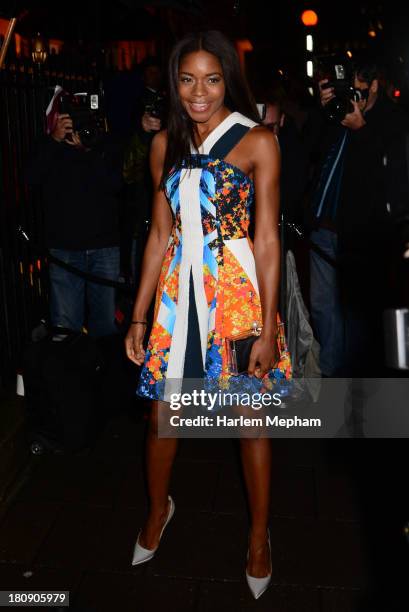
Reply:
x=209, y=245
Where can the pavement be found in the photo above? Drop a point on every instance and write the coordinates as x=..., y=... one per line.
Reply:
x=70, y=523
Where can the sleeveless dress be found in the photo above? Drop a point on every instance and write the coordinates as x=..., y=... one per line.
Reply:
x=207, y=289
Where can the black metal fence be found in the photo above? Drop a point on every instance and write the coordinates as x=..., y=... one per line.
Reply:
x=25, y=91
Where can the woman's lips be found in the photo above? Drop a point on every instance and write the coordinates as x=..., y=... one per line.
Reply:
x=199, y=108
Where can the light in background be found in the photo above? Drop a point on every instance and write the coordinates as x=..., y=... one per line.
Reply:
x=39, y=51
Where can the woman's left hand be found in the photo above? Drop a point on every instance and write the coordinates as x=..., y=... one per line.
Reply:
x=264, y=354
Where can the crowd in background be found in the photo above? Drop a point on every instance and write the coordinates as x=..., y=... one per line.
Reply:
x=344, y=204
x=345, y=208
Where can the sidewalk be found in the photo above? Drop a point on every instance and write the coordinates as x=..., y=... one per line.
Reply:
x=72, y=523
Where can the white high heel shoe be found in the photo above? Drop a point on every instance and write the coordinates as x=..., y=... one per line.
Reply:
x=257, y=586
x=141, y=554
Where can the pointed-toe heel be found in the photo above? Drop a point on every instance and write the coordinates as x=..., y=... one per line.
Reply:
x=257, y=586
x=141, y=554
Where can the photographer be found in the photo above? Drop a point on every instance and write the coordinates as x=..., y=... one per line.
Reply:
x=294, y=161
x=361, y=192
x=79, y=182
x=148, y=118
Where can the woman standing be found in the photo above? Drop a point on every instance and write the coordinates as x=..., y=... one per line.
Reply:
x=210, y=280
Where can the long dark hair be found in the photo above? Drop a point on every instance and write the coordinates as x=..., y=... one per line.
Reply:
x=237, y=98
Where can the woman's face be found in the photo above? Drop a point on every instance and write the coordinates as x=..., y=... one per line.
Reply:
x=201, y=85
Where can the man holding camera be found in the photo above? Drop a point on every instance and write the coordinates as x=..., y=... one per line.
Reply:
x=360, y=202
x=80, y=182
x=148, y=118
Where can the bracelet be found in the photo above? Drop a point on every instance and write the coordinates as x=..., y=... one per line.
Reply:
x=140, y=322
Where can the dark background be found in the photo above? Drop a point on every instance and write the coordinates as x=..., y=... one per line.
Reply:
x=338, y=510
x=274, y=26
x=274, y=29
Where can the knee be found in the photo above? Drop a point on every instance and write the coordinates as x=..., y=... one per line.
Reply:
x=159, y=419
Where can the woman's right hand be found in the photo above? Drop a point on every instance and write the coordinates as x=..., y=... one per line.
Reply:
x=134, y=343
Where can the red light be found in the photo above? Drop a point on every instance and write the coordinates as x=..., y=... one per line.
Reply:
x=309, y=18
x=396, y=93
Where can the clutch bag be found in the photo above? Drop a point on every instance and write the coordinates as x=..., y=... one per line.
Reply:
x=239, y=347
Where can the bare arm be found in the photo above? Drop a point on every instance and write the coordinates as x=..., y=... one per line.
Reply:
x=266, y=170
x=153, y=255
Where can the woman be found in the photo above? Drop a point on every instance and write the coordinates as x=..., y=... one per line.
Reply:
x=209, y=279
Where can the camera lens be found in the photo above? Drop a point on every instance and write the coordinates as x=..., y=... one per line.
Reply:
x=89, y=136
x=337, y=108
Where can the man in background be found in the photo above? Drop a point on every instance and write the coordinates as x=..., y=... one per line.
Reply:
x=294, y=159
x=360, y=191
x=148, y=117
x=79, y=185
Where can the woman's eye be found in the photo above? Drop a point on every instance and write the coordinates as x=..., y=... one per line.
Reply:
x=214, y=80
x=185, y=79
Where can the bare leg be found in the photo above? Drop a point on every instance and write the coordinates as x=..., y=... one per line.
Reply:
x=256, y=461
x=160, y=455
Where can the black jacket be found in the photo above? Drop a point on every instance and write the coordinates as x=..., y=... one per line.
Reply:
x=375, y=191
x=79, y=193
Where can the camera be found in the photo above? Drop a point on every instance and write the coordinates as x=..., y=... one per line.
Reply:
x=156, y=107
x=340, y=75
x=87, y=117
